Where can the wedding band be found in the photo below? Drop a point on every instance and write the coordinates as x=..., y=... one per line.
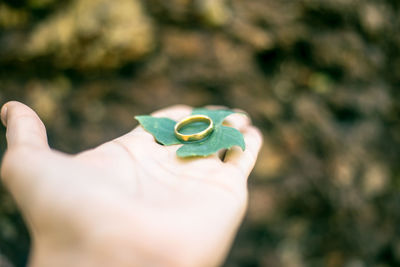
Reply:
x=196, y=136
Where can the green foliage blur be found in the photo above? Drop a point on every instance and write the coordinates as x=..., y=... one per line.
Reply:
x=319, y=77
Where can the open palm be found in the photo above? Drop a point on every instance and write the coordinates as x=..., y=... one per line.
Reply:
x=128, y=202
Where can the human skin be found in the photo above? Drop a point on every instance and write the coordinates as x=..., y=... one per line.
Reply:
x=129, y=201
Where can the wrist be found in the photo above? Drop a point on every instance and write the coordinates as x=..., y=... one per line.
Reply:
x=45, y=254
x=89, y=253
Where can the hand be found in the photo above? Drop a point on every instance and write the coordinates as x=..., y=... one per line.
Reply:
x=128, y=202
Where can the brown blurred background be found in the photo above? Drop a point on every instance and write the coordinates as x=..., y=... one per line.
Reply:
x=319, y=77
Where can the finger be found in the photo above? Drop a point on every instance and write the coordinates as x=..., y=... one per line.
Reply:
x=237, y=120
x=216, y=107
x=27, y=154
x=245, y=160
x=176, y=112
x=24, y=128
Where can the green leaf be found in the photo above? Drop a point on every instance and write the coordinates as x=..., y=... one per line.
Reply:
x=161, y=128
x=222, y=137
x=217, y=115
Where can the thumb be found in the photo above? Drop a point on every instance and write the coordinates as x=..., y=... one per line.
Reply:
x=26, y=139
x=24, y=128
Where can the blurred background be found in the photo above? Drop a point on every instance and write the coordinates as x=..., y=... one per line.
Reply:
x=319, y=77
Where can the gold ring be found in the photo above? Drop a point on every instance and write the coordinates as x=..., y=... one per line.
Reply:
x=196, y=136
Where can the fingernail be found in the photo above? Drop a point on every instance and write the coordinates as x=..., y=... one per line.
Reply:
x=4, y=116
